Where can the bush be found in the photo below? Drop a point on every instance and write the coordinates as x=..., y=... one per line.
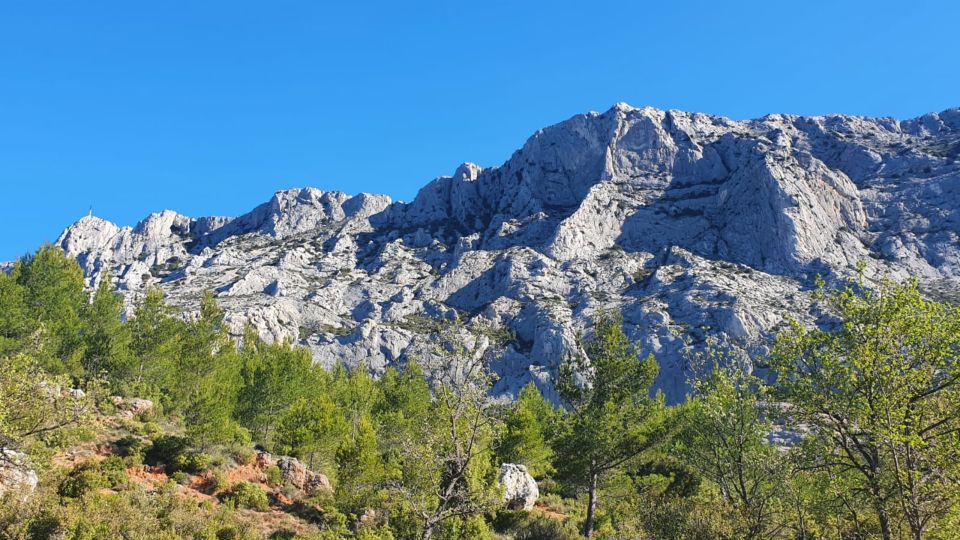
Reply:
x=248, y=495
x=152, y=430
x=82, y=479
x=114, y=470
x=274, y=475
x=181, y=478
x=218, y=481
x=131, y=447
x=229, y=533
x=522, y=525
x=192, y=462
x=243, y=455
x=166, y=448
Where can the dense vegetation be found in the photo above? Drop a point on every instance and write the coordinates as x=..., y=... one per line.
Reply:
x=858, y=438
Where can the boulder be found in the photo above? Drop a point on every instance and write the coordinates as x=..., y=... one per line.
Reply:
x=15, y=473
x=299, y=476
x=519, y=488
x=130, y=407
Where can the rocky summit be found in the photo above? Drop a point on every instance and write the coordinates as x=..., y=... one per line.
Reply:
x=694, y=226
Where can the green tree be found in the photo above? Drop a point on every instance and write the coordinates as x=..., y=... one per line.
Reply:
x=55, y=298
x=448, y=464
x=611, y=419
x=275, y=379
x=724, y=438
x=311, y=429
x=209, y=378
x=34, y=406
x=405, y=405
x=880, y=395
x=15, y=321
x=156, y=343
x=106, y=338
x=529, y=429
x=360, y=470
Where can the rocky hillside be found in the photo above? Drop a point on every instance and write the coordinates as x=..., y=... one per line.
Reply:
x=692, y=225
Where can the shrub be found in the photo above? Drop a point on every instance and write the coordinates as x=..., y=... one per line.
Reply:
x=152, y=430
x=181, y=478
x=114, y=470
x=229, y=533
x=243, y=455
x=274, y=475
x=82, y=479
x=131, y=447
x=248, y=495
x=522, y=525
x=218, y=481
x=192, y=462
x=166, y=448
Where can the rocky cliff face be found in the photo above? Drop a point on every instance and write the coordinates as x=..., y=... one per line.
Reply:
x=693, y=225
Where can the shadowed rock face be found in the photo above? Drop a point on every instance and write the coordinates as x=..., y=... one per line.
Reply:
x=692, y=225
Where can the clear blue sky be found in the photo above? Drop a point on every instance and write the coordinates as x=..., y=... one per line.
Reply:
x=209, y=107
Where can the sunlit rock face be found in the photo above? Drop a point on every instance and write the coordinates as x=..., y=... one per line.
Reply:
x=696, y=227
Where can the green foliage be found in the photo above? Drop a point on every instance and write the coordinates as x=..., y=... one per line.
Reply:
x=880, y=394
x=83, y=479
x=248, y=495
x=131, y=447
x=874, y=401
x=167, y=449
x=611, y=419
x=55, y=299
x=36, y=412
x=192, y=462
x=530, y=426
x=218, y=481
x=360, y=470
x=273, y=475
x=181, y=478
x=274, y=378
x=114, y=470
x=522, y=525
x=106, y=339
x=724, y=439
x=311, y=430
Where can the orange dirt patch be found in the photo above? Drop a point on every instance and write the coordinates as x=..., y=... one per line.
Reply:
x=549, y=512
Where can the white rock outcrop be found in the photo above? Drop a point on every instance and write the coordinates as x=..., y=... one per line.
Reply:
x=696, y=227
x=16, y=475
x=299, y=476
x=520, y=490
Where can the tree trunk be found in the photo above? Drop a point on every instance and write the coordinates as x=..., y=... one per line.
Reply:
x=591, y=506
x=884, y=519
x=427, y=532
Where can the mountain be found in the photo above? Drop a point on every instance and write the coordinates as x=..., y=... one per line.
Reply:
x=697, y=227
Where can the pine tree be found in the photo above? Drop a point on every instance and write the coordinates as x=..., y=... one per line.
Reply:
x=208, y=377
x=530, y=426
x=360, y=470
x=15, y=323
x=275, y=377
x=311, y=429
x=106, y=338
x=611, y=419
x=156, y=344
x=55, y=298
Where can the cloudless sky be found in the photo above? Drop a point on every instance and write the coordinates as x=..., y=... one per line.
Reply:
x=209, y=107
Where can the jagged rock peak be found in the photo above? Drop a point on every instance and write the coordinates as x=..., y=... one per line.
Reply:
x=694, y=226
